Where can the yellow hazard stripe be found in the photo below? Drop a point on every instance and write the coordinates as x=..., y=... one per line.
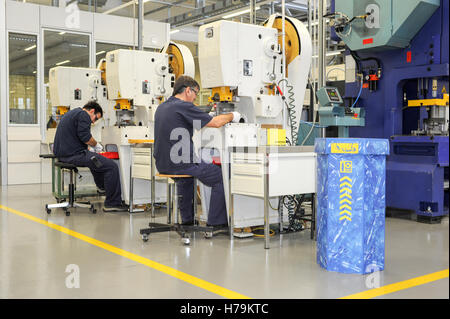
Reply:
x=142, y=260
x=388, y=289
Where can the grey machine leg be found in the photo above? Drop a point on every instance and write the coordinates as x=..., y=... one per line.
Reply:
x=266, y=204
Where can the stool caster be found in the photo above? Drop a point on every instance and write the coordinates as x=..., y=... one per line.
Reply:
x=93, y=210
x=48, y=210
x=186, y=241
x=208, y=235
x=67, y=212
x=145, y=237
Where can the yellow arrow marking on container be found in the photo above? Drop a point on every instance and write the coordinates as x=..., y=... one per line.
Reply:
x=346, y=189
x=345, y=200
x=346, y=178
x=345, y=206
x=345, y=217
x=345, y=212
x=346, y=195
x=345, y=184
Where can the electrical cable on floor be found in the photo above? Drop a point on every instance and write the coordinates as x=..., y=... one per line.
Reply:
x=271, y=232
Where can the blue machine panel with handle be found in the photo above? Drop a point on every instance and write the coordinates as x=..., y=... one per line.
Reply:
x=390, y=24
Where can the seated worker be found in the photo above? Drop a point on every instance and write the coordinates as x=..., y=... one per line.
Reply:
x=174, y=122
x=73, y=136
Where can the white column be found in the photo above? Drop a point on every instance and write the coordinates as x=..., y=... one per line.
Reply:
x=3, y=96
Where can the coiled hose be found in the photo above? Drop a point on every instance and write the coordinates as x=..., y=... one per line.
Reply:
x=290, y=106
x=291, y=203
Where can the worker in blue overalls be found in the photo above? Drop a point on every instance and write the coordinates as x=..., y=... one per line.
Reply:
x=174, y=149
x=73, y=136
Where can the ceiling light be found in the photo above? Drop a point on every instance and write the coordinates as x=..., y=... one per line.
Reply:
x=100, y=52
x=34, y=72
x=174, y=31
x=77, y=45
x=238, y=13
x=63, y=62
x=61, y=33
x=30, y=48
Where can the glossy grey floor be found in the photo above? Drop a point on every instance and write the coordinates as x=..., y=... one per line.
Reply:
x=34, y=258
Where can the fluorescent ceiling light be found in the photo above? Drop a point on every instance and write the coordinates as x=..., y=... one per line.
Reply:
x=100, y=52
x=30, y=48
x=238, y=13
x=61, y=33
x=63, y=62
x=78, y=45
x=174, y=31
x=34, y=72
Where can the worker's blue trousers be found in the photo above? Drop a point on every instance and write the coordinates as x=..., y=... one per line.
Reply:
x=106, y=177
x=210, y=175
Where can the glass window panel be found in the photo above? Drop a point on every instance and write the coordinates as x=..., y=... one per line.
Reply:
x=103, y=48
x=22, y=78
x=63, y=49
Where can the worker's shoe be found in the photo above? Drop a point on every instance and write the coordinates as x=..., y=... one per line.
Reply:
x=101, y=191
x=219, y=229
x=117, y=208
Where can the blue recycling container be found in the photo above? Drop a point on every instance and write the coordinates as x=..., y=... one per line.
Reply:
x=351, y=174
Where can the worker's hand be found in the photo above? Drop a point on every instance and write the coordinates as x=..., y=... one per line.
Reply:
x=236, y=117
x=212, y=114
x=98, y=148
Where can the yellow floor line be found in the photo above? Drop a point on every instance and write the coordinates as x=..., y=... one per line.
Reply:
x=372, y=293
x=144, y=261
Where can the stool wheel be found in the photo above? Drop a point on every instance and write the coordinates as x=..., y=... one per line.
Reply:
x=145, y=237
x=186, y=241
x=93, y=210
x=208, y=235
x=48, y=210
x=67, y=212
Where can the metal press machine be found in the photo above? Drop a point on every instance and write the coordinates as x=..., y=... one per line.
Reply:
x=397, y=72
x=242, y=65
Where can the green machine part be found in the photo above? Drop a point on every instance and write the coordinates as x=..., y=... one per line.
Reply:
x=391, y=23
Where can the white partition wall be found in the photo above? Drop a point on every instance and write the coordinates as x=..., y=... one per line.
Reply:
x=23, y=141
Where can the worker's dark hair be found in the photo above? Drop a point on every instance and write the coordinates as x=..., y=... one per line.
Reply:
x=92, y=105
x=182, y=83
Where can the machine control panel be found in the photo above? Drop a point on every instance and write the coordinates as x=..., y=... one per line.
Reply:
x=329, y=96
x=333, y=95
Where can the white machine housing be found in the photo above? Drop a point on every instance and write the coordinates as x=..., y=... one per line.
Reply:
x=73, y=87
x=139, y=76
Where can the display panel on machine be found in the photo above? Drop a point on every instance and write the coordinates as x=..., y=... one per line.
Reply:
x=333, y=95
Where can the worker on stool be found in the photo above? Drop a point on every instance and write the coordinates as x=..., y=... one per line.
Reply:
x=174, y=149
x=73, y=136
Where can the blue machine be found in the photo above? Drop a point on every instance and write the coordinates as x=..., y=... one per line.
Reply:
x=398, y=50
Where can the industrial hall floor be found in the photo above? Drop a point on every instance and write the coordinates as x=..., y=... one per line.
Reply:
x=37, y=249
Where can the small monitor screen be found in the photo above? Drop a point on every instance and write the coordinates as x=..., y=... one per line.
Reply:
x=333, y=95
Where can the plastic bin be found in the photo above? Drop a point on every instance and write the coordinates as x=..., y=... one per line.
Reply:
x=351, y=174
